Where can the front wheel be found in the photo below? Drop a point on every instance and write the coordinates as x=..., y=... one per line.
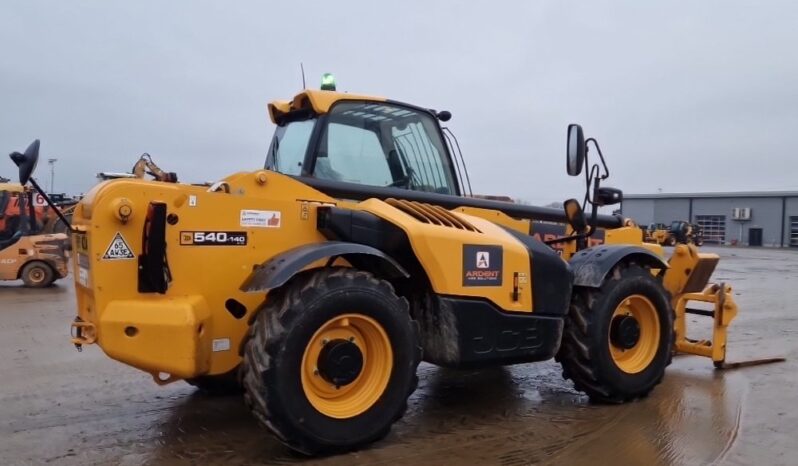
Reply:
x=330, y=361
x=618, y=338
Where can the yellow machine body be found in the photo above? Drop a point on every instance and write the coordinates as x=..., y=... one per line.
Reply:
x=197, y=325
x=187, y=331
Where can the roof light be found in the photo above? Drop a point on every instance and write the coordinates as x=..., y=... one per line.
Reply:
x=327, y=82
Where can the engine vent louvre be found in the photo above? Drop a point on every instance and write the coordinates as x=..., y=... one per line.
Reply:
x=432, y=214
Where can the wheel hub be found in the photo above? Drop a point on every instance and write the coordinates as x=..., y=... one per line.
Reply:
x=340, y=362
x=624, y=332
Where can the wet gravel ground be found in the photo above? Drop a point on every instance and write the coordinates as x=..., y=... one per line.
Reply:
x=58, y=406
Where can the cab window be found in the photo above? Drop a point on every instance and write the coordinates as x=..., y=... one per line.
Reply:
x=380, y=144
x=288, y=147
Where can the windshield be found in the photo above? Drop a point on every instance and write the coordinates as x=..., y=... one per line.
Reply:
x=369, y=143
x=380, y=144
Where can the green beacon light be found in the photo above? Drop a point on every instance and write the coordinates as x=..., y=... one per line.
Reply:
x=327, y=82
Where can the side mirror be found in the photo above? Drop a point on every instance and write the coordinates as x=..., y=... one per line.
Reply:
x=575, y=215
x=27, y=161
x=608, y=196
x=576, y=150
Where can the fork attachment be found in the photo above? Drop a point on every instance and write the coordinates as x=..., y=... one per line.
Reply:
x=725, y=310
x=687, y=279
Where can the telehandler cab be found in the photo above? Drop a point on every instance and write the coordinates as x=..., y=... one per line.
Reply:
x=319, y=283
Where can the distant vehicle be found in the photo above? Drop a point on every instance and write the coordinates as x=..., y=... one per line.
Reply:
x=686, y=233
x=14, y=198
x=143, y=166
x=37, y=259
x=658, y=233
x=679, y=232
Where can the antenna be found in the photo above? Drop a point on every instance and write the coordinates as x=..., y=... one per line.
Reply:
x=302, y=68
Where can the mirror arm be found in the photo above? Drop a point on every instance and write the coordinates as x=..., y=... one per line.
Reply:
x=601, y=156
x=594, y=206
x=52, y=206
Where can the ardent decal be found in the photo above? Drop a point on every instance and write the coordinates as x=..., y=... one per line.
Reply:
x=482, y=265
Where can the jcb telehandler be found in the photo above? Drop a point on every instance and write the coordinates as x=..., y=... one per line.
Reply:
x=320, y=282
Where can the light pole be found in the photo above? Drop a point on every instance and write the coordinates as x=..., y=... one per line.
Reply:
x=52, y=173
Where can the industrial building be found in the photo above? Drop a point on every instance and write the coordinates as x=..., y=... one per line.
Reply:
x=762, y=218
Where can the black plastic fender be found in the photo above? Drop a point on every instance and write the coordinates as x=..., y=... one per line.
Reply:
x=590, y=266
x=278, y=270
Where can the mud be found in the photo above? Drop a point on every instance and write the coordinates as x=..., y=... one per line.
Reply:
x=58, y=406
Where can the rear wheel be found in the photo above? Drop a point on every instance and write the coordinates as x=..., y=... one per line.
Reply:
x=330, y=361
x=618, y=338
x=37, y=275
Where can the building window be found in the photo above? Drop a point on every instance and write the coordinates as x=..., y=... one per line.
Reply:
x=714, y=228
x=794, y=232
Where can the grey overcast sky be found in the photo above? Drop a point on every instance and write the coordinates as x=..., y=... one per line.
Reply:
x=682, y=95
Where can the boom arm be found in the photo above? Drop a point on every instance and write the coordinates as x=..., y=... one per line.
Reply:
x=145, y=166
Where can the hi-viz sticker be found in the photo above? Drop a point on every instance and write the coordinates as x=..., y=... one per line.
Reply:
x=118, y=249
x=482, y=265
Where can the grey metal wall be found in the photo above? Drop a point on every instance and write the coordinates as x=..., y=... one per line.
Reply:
x=668, y=210
x=640, y=210
x=766, y=213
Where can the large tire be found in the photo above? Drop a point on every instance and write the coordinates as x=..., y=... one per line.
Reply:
x=594, y=353
x=60, y=227
x=218, y=385
x=37, y=274
x=292, y=388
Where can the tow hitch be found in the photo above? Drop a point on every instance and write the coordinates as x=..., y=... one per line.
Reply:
x=83, y=333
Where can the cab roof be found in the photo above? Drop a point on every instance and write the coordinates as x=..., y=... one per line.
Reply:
x=11, y=187
x=315, y=101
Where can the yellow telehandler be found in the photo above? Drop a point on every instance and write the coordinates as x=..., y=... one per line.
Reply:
x=318, y=283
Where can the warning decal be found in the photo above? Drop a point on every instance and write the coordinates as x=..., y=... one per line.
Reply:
x=482, y=265
x=118, y=249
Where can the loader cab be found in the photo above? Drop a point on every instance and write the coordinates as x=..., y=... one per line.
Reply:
x=20, y=207
x=17, y=216
x=366, y=142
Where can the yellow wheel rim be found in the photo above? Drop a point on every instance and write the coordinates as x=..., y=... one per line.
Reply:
x=350, y=399
x=637, y=358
